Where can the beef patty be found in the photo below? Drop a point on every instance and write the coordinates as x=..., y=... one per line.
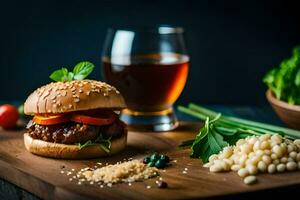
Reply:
x=71, y=132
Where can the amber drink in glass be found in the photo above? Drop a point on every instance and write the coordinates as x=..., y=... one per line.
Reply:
x=150, y=68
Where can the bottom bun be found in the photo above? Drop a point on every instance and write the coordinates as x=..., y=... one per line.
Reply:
x=65, y=151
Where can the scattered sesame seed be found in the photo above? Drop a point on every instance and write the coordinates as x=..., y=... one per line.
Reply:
x=109, y=184
x=175, y=161
x=184, y=172
x=160, y=178
x=70, y=179
x=79, y=183
x=73, y=170
x=64, y=93
x=62, y=172
x=46, y=94
x=129, y=184
x=148, y=186
x=185, y=169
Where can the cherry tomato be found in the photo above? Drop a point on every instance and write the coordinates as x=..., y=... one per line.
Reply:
x=8, y=116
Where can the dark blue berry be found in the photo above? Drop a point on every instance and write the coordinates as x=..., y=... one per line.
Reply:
x=160, y=164
x=154, y=157
x=151, y=164
x=162, y=184
x=146, y=160
x=164, y=158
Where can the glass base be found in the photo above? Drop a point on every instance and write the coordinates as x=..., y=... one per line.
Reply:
x=150, y=121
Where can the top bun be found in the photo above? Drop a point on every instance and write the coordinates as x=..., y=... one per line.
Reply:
x=62, y=97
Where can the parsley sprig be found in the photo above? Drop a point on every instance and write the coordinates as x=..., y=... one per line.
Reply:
x=80, y=72
x=220, y=131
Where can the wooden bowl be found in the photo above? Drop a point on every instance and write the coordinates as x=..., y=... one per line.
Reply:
x=289, y=114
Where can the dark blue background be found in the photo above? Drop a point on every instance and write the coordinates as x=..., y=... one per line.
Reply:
x=231, y=43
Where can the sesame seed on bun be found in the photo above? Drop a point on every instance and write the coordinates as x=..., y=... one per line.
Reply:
x=76, y=95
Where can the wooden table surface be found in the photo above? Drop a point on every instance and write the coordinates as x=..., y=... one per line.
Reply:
x=42, y=177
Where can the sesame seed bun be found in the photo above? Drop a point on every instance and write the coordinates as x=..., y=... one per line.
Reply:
x=62, y=97
x=64, y=151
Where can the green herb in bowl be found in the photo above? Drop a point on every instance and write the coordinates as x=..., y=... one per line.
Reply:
x=284, y=89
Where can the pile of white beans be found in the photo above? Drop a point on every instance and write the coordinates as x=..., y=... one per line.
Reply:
x=257, y=154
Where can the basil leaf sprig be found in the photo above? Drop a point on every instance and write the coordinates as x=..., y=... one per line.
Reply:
x=284, y=81
x=212, y=138
x=220, y=131
x=104, y=144
x=80, y=72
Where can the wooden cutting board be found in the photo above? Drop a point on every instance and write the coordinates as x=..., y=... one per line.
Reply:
x=42, y=176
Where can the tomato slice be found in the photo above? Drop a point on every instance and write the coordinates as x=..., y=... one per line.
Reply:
x=51, y=119
x=93, y=120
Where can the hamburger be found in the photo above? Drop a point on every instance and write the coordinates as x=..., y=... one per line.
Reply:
x=75, y=120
